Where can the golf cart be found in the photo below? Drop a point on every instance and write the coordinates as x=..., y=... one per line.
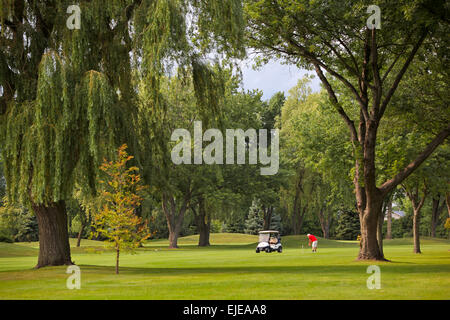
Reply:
x=269, y=240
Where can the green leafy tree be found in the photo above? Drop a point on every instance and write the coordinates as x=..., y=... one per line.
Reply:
x=314, y=141
x=68, y=97
x=333, y=39
x=242, y=183
x=122, y=194
x=61, y=107
x=17, y=223
x=447, y=225
x=179, y=186
x=267, y=188
x=399, y=139
x=420, y=185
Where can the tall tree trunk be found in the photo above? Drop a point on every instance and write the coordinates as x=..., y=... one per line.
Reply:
x=85, y=218
x=79, y=234
x=301, y=219
x=326, y=231
x=298, y=212
x=267, y=216
x=174, y=232
x=54, y=247
x=368, y=197
x=416, y=235
x=417, y=205
x=174, y=217
x=173, y=239
x=203, y=240
x=369, y=204
x=203, y=223
x=380, y=229
x=294, y=223
x=369, y=248
x=389, y=220
x=138, y=213
x=447, y=201
x=297, y=219
x=325, y=223
x=435, y=213
x=117, y=260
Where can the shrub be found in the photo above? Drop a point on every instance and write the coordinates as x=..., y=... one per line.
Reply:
x=5, y=238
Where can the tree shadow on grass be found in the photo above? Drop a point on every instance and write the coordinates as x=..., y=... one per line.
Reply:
x=278, y=270
x=196, y=247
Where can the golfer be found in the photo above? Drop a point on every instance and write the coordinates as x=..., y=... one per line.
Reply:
x=313, y=241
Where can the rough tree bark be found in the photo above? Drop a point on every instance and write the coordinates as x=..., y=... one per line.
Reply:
x=416, y=224
x=380, y=224
x=117, y=259
x=298, y=216
x=447, y=201
x=369, y=198
x=380, y=233
x=267, y=212
x=298, y=211
x=203, y=221
x=325, y=222
x=389, y=220
x=84, y=222
x=174, y=216
x=54, y=247
x=417, y=204
x=79, y=234
x=369, y=248
x=436, y=210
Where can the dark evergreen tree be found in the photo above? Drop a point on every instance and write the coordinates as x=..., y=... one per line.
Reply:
x=348, y=227
x=275, y=223
x=235, y=226
x=254, y=222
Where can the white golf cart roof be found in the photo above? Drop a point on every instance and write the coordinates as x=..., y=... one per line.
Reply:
x=268, y=231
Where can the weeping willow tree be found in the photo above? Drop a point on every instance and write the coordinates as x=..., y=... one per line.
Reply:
x=66, y=98
x=69, y=97
x=184, y=40
x=172, y=38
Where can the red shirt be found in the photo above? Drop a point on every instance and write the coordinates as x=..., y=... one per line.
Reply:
x=312, y=238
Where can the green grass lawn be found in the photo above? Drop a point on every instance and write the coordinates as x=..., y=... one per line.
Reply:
x=230, y=269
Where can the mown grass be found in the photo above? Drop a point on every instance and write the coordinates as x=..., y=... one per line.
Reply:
x=230, y=269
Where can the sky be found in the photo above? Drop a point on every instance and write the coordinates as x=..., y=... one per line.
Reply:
x=274, y=77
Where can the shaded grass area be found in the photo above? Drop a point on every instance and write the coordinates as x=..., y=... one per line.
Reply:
x=230, y=269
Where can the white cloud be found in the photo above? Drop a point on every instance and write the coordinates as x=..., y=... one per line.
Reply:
x=274, y=77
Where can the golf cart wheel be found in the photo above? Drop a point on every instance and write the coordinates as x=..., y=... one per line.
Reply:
x=268, y=250
x=257, y=250
x=279, y=250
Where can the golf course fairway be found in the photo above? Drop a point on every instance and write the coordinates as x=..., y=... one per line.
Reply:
x=230, y=269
